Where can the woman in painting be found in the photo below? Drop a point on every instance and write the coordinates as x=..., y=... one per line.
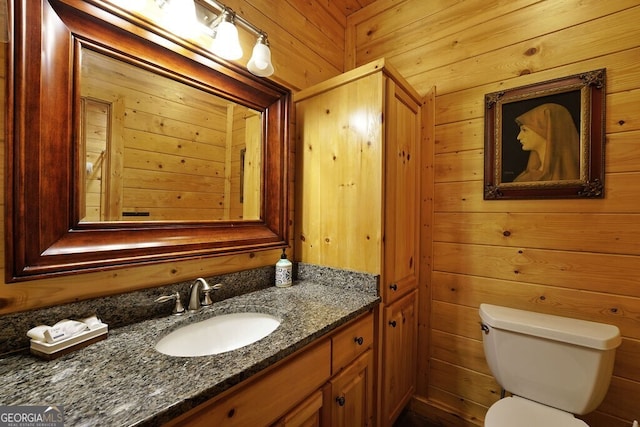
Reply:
x=548, y=132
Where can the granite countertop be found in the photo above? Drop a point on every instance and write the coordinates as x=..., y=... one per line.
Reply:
x=123, y=380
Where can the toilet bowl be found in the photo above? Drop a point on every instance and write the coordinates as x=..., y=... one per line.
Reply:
x=553, y=366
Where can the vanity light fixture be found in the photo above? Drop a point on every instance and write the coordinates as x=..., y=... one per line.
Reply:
x=260, y=62
x=184, y=17
x=179, y=18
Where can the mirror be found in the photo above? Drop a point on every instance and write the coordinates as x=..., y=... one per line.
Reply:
x=129, y=145
x=156, y=149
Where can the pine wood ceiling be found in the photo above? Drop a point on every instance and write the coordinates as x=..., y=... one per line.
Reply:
x=349, y=6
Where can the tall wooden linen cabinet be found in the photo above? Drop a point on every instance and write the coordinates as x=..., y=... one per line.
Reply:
x=357, y=205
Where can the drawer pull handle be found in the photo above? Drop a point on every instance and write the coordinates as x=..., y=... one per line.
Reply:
x=358, y=340
x=393, y=287
x=393, y=323
x=340, y=400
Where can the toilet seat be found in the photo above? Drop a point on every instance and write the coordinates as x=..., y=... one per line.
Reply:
x=517, y=411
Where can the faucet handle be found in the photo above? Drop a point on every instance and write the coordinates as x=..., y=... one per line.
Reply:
x=178, y=309
x=206, y=291
x=206, y=297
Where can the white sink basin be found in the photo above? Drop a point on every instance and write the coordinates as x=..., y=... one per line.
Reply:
x=218, y=334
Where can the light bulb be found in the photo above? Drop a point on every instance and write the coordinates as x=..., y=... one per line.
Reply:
x=132, y=5
x=180, y=17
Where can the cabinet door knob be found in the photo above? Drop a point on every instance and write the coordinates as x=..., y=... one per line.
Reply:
x=358, y=340
x=340, y=400
x=393, y=323
x=393, y=286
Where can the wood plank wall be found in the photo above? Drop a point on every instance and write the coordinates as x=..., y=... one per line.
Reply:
x=577, y=258
x=307, y=44
x=94, y=130
x=173, y=143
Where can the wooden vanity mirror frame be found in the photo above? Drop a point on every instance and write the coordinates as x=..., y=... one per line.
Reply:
x=44, y=235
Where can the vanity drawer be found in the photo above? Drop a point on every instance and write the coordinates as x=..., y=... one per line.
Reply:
x=352, y=341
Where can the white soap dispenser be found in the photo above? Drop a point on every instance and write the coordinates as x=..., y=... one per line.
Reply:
x=283, y=271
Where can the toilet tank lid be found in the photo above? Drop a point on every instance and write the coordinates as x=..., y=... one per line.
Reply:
x=579, y=332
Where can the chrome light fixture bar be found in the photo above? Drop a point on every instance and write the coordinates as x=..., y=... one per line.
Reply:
x=223, y=30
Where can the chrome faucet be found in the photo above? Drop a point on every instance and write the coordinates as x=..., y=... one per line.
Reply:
x=194, y=294
x=200, y=286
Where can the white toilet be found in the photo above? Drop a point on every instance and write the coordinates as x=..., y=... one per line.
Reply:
x=553, y=366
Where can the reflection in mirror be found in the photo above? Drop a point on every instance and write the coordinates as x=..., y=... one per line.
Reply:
x=155, y=149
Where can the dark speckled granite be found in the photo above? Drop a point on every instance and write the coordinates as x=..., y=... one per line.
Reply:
x=128, y=308
x=124, y=381
x=344, y=279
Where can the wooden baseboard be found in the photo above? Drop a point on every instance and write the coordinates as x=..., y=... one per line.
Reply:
x=440, y=414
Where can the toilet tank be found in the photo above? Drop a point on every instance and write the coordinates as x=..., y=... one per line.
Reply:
x=557, y=361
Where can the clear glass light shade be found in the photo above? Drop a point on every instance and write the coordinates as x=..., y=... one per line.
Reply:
x=226, y=43
x=180, y=17
x=260, y=62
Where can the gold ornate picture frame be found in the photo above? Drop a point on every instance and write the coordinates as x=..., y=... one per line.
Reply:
x=546, y=140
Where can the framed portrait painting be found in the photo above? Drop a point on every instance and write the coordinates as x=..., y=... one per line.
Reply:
x=546, y=140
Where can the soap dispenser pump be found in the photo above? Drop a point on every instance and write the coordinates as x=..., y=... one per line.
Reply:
x=283, y=271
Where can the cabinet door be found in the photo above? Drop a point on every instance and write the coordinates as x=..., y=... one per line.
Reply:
x=350, y=394
x=402, y=193
x=306, y=414
x=399, y=355
x=339, y=157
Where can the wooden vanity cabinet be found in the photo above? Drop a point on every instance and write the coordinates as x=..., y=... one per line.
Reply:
x=261, y=400
x=357, y=203
x=338, y=366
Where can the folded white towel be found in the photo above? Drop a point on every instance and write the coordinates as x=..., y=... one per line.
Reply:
x=37, y=333
x=92, y=322
x=62, y=330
